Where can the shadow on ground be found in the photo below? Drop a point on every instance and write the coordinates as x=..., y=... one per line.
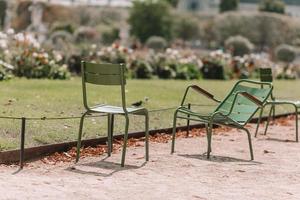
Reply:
x=280, y=140
x=101, y=168
x=219, y=159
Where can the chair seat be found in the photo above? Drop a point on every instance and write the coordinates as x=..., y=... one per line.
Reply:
x=116, y=109
x=218, y=119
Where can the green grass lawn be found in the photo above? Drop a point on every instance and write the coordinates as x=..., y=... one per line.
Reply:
x=48, y=98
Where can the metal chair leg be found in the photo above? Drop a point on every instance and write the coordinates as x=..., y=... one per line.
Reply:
x=268, y=121
x=259, y=120
x=79, y=137
x=125, y=141
x=188, y=122
x=109, y=133
x=174, y=132
x=273, y=113
x=112, y=131
x=207, y=132
x=250, y=144
x=296, y=113
x=209, y=136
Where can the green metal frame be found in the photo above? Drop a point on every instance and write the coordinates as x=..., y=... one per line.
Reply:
x=236, y=110
x=266, y=76
x=110, y=75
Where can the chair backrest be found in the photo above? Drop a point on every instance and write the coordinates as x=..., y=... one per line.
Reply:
x=265, y=75
x=103, y=74
x=243, y=108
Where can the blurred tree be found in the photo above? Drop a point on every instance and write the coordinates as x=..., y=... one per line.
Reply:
x=239, y=45
x=57, y=26
x=186, y=27
x=156, y=43
x=277, y=6
x=111, y=35
x=229, y=5
x=173, y=3
x=285, y=53
x=150, y=18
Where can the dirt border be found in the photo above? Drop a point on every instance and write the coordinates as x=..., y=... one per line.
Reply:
x=33, y=153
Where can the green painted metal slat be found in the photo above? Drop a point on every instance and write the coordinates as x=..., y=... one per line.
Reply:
x=266, y=75
x=105, y=69
x=240, y=109
x=240, y=117
x=102, y=79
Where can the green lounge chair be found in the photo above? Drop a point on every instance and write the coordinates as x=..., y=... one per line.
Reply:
x=236, y=110
x=266, y=76
x=109, y=75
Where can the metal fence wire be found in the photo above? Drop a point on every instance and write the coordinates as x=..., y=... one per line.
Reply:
x=44, y=118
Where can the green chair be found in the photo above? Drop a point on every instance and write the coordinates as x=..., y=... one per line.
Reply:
x=266, y=76
x=236, y=110
x=109, y=75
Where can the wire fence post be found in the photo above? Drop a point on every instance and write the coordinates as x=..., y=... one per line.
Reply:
x=22, y=147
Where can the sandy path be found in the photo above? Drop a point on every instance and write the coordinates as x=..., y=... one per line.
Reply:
x=275, y=173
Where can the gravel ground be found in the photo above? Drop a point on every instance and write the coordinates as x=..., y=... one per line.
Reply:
x=274, y=174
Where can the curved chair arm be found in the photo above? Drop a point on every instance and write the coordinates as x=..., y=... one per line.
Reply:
x=255, y=82
x=199, y=90
x=252, y=98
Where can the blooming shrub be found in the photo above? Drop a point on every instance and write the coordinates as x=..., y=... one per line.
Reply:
x=4, y=74
x=239, y=45
x=187, y=64
x=167, y=64
x=22, y=55
x=157, y=43
x=220, y=65
x=215, y=64
x=187, y=71
x=179, y=64
x=143, y=70
x=28, y=59
x=285, y=53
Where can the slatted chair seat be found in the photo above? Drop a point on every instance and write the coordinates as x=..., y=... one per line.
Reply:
x=219, y=119
x=116, y=109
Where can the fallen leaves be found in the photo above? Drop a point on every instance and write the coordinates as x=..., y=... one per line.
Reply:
x=98, y=150
x=284, y=121
x=71, y=154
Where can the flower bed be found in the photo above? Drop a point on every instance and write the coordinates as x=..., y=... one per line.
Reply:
x=22, y=55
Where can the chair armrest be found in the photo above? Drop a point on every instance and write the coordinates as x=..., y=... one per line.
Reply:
x=200, y=91
x=252, y=98
x=248, y=96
